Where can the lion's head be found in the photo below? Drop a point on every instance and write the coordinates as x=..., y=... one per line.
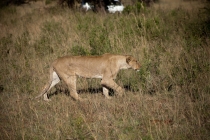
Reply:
x=131, y=61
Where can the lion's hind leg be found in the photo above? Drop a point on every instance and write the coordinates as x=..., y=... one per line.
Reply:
x=69, y=77
x=55, y=80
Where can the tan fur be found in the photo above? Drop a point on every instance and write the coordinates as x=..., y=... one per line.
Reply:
x=104, y=67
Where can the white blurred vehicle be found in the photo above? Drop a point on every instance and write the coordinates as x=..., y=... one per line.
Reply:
x=86, y=6
x=116, y=6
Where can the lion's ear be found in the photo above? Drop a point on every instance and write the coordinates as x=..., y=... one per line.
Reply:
x=128, y=59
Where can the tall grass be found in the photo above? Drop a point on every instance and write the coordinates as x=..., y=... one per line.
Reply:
x=169, y=98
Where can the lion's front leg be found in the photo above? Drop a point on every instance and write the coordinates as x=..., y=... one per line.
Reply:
x=106, y=93
x=111, y=84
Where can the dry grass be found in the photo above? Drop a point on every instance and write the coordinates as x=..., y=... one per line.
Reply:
x=168, y=99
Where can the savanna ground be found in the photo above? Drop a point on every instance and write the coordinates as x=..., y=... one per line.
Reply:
x=169, y=98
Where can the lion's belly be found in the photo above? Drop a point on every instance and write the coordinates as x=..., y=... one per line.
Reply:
x=90, y=75
x=97, y=76
x=88, y=71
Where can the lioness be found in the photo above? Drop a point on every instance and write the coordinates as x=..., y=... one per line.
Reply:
x=104, y=67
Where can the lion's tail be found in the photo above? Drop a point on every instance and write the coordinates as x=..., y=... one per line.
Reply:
x=47, y=86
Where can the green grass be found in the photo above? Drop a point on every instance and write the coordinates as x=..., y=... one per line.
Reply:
x=169, y=98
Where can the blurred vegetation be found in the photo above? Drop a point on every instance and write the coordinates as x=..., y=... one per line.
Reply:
x=16, y=2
